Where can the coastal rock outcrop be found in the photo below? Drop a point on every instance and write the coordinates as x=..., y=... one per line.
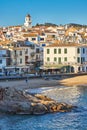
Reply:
x=16, y=101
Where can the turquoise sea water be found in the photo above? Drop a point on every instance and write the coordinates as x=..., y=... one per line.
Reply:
x=75, y=120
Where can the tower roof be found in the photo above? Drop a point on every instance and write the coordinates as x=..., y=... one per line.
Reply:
x=28, y=15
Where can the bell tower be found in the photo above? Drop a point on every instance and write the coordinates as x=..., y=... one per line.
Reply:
x=28, y=22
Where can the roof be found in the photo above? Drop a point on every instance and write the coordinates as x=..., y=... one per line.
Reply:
x=30, y=35
x=5, y=42
x=16, y=48
x=47, y=31
x=16, y=26
x=71, y=29
x=28, y=15
x=3, y=48
x=67, y=45
x=28, y=43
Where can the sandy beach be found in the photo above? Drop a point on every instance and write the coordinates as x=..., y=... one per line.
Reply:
x=32, y=83
x=78, y=80
x=37, y=83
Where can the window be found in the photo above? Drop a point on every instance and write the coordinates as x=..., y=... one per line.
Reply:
x=53, y=36
x=15, y=52
x=37, y=50
x=37, y=56
x=32, y=46
x=78, y=50
x=65, y=59
x=20, y=61
x=0, y=61
x=83, y=50
x=55, y=59
x=33, y=39
x=82, y=60
x=59, y=51
x=55, y=51
x=41, y=39
x=78, y=59
x=65, y=51
x=48, y=59
x=26, y=51
x=48, y=51
x=59, y=60
x=20, y=53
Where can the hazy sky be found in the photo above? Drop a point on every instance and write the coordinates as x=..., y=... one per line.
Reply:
x=13, y=12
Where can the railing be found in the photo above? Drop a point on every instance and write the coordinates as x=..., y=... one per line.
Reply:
x=32, y=54
x=4, y=55
x=33, y=60
x=15, y=55
x=38, y=59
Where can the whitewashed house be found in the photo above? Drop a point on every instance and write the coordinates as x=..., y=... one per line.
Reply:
x=72, y=57
x=4, y=59
x=33, y=37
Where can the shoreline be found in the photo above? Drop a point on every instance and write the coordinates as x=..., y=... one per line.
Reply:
x=39, y=83
x=32, y=83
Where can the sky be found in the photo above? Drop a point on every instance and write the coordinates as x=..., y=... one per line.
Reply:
x=13, y=12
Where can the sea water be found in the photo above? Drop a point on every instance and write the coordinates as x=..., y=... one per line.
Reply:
x=75, y=120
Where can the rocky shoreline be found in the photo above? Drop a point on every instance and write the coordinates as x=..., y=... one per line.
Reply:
x=14, y=101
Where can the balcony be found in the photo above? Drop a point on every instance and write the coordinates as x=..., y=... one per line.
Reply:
x=4, y=55
x=38, y=59
x=15, y=55
x=15, y=63
x=33, y=60
x=32, y=54
x=32, y=47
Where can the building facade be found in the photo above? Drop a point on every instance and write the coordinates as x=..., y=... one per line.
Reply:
x=69, y=57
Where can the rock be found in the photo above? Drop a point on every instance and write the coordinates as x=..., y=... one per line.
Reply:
x=42, y=97
x=1, y=94
x=20, y=102
x=39, y=108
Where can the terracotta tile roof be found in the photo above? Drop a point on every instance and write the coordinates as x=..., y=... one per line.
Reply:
x=67, y=45
x=17, y=26
x=5, y=42
x=30, y=35
x=71, y=29
x=57, y=41
x=47, y=31
x=85, y=36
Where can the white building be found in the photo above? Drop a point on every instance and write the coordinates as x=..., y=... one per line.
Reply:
x=71, y=57
x=4, y=58
x=33, y=37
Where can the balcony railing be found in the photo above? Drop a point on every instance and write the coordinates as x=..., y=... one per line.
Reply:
x=32, y=54
x=4, y=55
x=38, y=59
x=33, y=60
x=15, y=55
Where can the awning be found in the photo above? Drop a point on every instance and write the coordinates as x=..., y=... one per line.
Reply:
x=50, y=67
x=43, y=68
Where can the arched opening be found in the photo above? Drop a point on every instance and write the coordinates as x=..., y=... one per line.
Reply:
x=67, y=69
x=78, y=69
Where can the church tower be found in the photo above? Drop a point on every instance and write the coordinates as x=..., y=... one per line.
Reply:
x=28, y=22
